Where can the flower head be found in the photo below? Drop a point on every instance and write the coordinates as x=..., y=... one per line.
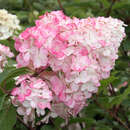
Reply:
x=8, y=24
x=78, y=52
x=4, y=53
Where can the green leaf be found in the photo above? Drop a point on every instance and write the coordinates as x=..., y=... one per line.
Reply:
x=105, y=3
x=105, y=101
x=10, y=84
x=106, y=82
x=82, y=4
x=8, y=118
x=10, y=73
x=122, y=4
x=92, y=110
x=19, y=126
x=89, y=121
x=103, y=127
x=22, y=15
x=47, y=127
x=38, y=6
x=127, y=44
x=58, y=121
x=2, y=98
x=122, y=63
x=10, y=44
x=116, y=100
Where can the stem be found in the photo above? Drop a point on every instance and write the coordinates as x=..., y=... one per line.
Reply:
x=123, y=113
x=60, y=5
x=110, y=8
x=124, y=53
x=57, y=128
x=111, y=89
x=18, y=117
x=30, y=7
x=3, y=90
x=113, y=115
x=119, y=107
x=82, y=123
x=32, y=128
x=27, y=126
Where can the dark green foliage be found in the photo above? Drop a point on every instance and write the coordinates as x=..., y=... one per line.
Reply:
x=7, y=118
x=108, y=109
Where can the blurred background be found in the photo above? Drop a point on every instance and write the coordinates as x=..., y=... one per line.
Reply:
x=110, y=108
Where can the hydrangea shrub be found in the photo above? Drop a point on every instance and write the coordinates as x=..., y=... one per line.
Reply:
x=68, y=57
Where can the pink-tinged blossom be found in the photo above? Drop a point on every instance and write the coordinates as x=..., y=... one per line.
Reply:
x=32, y=57
x=79, y=53
x=31, y=94
x=58, y=87
x=4, y=53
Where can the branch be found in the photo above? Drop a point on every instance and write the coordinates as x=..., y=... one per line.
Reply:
x=3, y=90
x=32, y=128
x=18, y=117
x=122, y=111
x=111, y=89
x=110, y=8
x=113, y=115
x=60, y=5
x=27, y=126
x=119, y=107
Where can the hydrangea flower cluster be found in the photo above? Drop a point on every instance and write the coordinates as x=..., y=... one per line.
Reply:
x=33, y=93
x=80, y=52
x=8, y=24
x=4, y=53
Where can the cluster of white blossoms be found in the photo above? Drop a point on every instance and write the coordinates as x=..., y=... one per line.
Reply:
x=8, y=24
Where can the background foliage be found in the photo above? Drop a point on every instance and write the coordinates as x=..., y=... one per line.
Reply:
x=109, y=109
